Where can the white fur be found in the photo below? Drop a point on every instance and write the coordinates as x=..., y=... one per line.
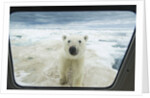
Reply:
x=71, y=68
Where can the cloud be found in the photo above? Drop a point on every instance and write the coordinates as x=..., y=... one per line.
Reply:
x=73, y=20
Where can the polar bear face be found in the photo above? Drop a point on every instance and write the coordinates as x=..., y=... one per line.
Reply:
x=74, y=46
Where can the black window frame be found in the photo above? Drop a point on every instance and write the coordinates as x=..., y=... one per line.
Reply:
x=124, y=80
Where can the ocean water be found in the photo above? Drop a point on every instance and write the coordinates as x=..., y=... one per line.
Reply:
x=109, y=32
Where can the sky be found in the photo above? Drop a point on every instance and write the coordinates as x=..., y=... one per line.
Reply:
x=73, y=20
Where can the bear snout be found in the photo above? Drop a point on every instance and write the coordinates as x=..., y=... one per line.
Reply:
x=73, y=50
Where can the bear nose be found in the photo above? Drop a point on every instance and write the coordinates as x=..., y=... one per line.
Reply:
x=72, y=50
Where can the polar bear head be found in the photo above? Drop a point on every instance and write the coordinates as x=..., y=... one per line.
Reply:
x=74, y=46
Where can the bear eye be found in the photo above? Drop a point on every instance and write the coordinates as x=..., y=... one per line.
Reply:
x=79, y=41
x=69, y=41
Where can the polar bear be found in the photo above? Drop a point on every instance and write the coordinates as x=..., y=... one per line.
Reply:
x=72, y=60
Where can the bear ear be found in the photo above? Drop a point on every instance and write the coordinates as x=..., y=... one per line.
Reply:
x=85, y=37
x=64, y=37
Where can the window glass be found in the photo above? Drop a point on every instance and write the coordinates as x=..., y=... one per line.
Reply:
x=39, y=39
